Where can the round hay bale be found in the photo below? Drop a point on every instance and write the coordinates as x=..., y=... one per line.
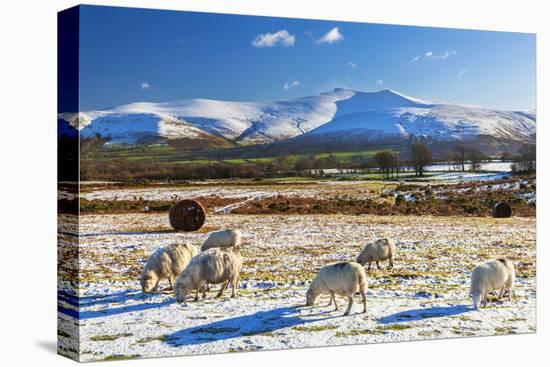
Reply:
x=187, y=215
x=502, y=210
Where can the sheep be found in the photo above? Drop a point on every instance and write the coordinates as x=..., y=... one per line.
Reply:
x=222, y=239
x=166, y=263
x=211, y=266
x=379, y=250
x=225, y=238
x=491, y=275
x=342, y=278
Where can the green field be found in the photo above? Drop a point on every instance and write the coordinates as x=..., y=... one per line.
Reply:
x=166, y=153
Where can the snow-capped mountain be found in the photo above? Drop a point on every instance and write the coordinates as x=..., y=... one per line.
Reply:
x=373, y=115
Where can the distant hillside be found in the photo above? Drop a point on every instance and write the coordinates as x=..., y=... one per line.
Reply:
x=338, y=115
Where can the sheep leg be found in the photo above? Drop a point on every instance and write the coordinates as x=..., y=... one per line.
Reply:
x=350, y=302
x=364, y=299
x=196, y=296
x=331, y=296
x=391, y=263
x=234, y=287
x=333, y=299
x=368, y=268
x=378, y=265
x=155, y=288
x=501, y=293
x=171, y=282
x=510, y=291
x=222, y=289
x=485, y=299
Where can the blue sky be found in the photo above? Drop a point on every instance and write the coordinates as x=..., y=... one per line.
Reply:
x=129, y=55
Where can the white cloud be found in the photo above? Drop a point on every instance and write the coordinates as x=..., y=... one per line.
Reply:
x=290, y=85
x=444, y=55
x=379, y=82
x=281, y=37
x=331, y=36
x=441, y=56
x=415, y=59
x=461, y=73
x=351, y=64
x=145, y=85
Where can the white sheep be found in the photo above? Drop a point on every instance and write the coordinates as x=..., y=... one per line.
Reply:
x=343, y=278
x=379, y=250
x=222, y=239
x=491, y=275
x=166, y=263
x=210, y=267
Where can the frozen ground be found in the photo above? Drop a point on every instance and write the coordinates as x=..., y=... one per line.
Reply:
x=241, y=194
x=424, y=297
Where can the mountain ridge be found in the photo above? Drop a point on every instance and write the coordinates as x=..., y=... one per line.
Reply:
x=382, y=114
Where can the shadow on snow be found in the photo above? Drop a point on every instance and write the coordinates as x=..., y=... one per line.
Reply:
x=424, y=313
x=247, y=325
x=118, y=297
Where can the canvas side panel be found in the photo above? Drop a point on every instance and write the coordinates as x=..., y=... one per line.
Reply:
x=68, y=176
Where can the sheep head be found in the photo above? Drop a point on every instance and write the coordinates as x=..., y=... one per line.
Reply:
x=311, y=296
x=148, y=281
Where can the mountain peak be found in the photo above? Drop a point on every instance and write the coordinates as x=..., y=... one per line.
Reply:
x=387, y=112
x=388, y=93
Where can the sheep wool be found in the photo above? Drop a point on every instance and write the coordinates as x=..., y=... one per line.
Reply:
x=491, y=275
x=223, y=239
x=379, y=250
x=210, y=267
x=166, y=263
x=343, y=278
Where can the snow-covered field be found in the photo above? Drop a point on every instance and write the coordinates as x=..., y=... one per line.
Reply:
x=424, y=297
x=503, y=167
x=241, y=194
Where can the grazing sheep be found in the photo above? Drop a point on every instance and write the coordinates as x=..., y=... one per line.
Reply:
x=210, y=267
x=222, y=239
x=379, y=250
x=166, y=263
x=225, y=238
x=491, y=275
x=343, y=278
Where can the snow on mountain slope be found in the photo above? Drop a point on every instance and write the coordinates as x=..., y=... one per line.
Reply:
x=411, y=117
x=247, y=122
x=441, y=122
x=373, y=113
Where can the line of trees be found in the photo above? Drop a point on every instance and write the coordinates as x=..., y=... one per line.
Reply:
x=462, y=155
x=390, y=163
x=526, y=161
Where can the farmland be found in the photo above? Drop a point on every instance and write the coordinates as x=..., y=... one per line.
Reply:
x=424, y=297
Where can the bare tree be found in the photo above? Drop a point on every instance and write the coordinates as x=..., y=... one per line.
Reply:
x=526, y=161
x=386, y=161
x=449, y=157
x=421, y=156
x=460, y=157
x=475, y=157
